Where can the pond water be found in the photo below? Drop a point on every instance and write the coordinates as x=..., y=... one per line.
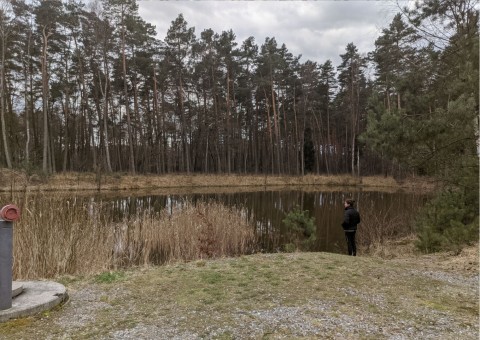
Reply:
x=268, y=208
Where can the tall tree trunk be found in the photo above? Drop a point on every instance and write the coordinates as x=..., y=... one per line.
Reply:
x=127, y=105
x=302, y=138
x=357, y=126
x=255, y=143
x=329, y=137
x=353, y=112
x=319, y=144
x=27, y=120
x=206, y=127
x=163, y=140
x=270, y=134
x=45, y=100
x=297, y=137
x=51, y=150
x=157, y=125
x=287, y=137
x=101, y=139
x=140, y=120
x=185, y=142
x=228, y=134
x=2, y=101
x=105, y=114
x=27, y=62
x=84, y=106
x=216, y=118
x=276, y=125
x=66, y=136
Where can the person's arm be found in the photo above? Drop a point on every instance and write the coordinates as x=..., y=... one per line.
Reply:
x=346, y=219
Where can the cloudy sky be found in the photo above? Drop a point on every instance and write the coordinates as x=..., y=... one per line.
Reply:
x=318, y=30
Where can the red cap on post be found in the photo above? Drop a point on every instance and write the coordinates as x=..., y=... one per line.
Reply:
x=10, y=213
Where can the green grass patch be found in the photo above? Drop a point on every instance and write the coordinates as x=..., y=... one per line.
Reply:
x=109, y=277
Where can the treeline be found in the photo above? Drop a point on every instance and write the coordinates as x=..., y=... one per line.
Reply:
x=89, y=87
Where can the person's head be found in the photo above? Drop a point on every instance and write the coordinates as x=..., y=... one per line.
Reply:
x=349, y=202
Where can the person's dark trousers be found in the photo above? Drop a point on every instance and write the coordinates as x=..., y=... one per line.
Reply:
x=352, y=248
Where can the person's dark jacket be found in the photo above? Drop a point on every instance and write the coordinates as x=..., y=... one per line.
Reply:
x=351, y=219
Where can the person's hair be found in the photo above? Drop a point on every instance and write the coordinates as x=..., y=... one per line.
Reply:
x=350, y=202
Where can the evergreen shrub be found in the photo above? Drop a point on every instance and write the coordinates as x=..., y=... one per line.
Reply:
x=448, y=222
x=301, y=229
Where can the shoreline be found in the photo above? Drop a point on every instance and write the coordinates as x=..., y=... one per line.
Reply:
x=16, y=181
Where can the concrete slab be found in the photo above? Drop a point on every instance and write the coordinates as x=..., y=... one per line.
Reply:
x=36, y=297
x=17, y=288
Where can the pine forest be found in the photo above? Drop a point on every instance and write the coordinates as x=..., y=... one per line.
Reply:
x=88, y=86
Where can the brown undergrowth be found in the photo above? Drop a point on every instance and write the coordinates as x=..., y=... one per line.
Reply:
x=465, y=262
x=20, y=181
x=78, y=239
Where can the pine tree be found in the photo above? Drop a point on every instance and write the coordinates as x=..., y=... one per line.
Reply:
x=327, y=86
x=179, y=42
x=352, y=82
x=434, y=132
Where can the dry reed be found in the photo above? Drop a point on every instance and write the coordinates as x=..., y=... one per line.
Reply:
x=380, y=229
x=76, y=237
x=189, y=232
x=72, y=181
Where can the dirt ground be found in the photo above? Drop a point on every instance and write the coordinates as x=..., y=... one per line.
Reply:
x=272, y=296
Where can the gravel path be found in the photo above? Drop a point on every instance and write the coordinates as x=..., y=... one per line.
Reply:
x=373, y=306
x=315, y=319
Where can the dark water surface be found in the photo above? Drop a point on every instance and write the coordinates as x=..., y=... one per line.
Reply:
x=269, y=208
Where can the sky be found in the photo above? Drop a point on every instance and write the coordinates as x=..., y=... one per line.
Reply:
x=317, y=30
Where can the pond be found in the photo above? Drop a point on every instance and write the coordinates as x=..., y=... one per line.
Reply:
x=45, y=247
x=269, y=208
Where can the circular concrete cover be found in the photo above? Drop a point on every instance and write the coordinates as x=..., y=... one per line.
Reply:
x=35, y=297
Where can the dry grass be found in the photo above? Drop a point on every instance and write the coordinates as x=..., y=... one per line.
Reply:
x=55, y=236
x=464, y=263
x=383, y=233
x=392, y=248
x=187, y=233
x=18, y=181
x=80, y=238
x=265, y=296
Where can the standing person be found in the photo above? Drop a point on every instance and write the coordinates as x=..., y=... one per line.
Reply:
x=349, y=224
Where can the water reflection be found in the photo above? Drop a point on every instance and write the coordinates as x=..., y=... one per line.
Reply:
x=269, y=208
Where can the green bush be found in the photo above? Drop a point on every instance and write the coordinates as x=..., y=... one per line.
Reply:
x=448, y=222
x=289, y=247
x=301, y=229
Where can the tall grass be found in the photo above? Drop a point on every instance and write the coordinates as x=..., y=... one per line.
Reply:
x=204, y=230
x=379, y=229
x=58, y=236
